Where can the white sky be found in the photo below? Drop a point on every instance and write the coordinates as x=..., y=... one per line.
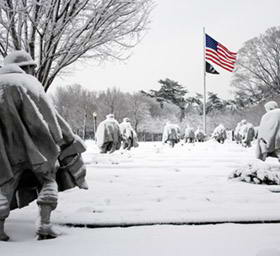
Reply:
x=173, y=46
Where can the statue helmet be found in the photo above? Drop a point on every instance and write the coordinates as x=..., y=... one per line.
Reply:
x=110, y=115
x=19, y=57
x=270, y=105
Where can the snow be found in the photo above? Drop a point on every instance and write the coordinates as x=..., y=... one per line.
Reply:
x=258, y=172
x=226, y=239
x=12, y=74
x=156, y=184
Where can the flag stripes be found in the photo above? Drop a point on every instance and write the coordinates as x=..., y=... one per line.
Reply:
x=219, y=54
x=213, y=57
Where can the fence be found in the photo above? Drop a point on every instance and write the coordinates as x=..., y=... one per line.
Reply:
x=142, y=136
x=147, y=136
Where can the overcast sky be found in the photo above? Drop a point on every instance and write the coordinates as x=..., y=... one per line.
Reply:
x=173, y=46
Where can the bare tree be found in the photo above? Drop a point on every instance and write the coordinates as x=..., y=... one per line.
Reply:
x=138, y=109
x=76, y=105
x=258, y=67
x=58, y=33
x=113, y=101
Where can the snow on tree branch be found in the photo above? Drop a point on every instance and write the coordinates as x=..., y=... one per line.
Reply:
x=58, y=33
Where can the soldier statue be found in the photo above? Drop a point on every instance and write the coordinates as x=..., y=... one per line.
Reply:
x=39, y=153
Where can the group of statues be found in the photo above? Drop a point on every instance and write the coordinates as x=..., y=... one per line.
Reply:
x=172, y=134
x=192, y=135
x=110, y=135
x=243, y=134
x=267, y=134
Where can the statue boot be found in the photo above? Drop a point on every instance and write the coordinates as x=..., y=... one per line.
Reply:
x=3, y=235
x=45, y=230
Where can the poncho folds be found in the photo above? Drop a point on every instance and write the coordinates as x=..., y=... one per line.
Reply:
x=25, y=138
x=268, y=134
x=108, y=131
x=32, y=133
x=171, y=132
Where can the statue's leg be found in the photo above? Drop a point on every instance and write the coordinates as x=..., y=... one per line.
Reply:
x=106, y=147
x=262, y=155
x=277, y=153
x=4, y=212
x=103, y=148
x=45, y=230
x=6, y=194
x=130, y=143
x=47, y=202
x=125, y=143
x=112, y=147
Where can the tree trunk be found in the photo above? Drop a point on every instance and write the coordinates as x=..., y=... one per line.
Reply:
x=182, y=114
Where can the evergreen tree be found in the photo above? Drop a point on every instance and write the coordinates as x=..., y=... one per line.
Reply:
x=171, y=92
x=214, y=102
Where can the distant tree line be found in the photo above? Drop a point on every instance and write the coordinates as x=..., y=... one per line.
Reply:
x=81, y=108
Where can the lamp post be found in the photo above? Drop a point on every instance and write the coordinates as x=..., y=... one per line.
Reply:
x=84, y=125
x=94, y=115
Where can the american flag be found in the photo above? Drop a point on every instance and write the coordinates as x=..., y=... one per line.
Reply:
x=219, y=54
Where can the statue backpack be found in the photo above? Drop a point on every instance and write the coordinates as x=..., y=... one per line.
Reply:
x=72, y=170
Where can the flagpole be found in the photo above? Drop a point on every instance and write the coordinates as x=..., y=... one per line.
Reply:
x=204, y=83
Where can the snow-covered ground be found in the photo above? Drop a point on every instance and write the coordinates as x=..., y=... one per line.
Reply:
x=155, y=184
